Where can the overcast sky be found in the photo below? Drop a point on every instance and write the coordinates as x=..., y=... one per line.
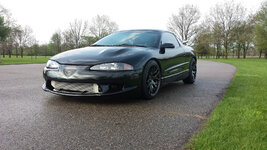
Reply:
x=47, y=16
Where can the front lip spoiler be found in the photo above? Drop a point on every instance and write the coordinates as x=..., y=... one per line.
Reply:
x=81, y=94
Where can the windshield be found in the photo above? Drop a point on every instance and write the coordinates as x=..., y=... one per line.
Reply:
x=131, y=38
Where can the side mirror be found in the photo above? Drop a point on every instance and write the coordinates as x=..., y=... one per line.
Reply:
x=164, y=46
x=185, y=42
x=167, y=45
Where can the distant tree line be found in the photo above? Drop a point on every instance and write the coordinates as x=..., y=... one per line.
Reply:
x=19, y=41
x=228, y=30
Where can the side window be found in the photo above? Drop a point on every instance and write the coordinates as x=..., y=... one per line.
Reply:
x=169, y=38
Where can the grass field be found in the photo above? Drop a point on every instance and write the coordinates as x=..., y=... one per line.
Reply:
x=240, y=120
x=24, y=60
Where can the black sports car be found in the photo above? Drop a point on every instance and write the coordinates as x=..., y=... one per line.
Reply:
x=139, y=60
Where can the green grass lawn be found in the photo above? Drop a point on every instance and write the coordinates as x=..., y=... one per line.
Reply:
x=240, y=120
x=24, y=60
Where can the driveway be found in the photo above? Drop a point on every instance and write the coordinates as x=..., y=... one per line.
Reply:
x=33, y=119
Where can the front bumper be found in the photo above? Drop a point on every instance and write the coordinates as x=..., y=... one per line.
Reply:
x=108, y=82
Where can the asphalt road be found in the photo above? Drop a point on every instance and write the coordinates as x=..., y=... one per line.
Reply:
x=33, y=119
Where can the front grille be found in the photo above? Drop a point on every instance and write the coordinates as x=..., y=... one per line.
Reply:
x=78, y=87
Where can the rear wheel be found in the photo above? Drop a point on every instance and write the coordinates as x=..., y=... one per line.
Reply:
x=151, y=80
x=192, y=72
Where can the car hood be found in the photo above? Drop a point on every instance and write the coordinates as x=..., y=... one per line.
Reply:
x=95, y=55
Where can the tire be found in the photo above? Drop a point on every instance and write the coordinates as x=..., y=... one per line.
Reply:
x=151, y=80
x=192, y=72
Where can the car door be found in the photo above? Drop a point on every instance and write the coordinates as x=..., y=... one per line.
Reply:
x=173, y=58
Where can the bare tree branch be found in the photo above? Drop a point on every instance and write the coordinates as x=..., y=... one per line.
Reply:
x=102, y=26
x=184, y=23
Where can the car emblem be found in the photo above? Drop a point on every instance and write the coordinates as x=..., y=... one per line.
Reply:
x=69, y=71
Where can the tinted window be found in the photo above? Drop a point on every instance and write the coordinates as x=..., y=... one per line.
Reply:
x=141, y=38
x=169, y=38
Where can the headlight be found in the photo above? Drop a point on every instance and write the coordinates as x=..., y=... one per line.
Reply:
x=52, y=64
x=112, y=66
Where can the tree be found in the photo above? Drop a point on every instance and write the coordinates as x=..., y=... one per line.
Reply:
x=261, y=29
x=56, y=40
x=43, y=48
x=73, y=36
x=243, y=36
x=4, y=32
x=184, y=23
x=89, y=40
x=216, y=33
x=68, y=41
x=15, y=33
x=7, y=45
x=225, y=17
x=9, y=21
x=102, y=26
x=77, y=30
x=35, y=48
x=7, y=40
x=202, y=42
x=22, y=38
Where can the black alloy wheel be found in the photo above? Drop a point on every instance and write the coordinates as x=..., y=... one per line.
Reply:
x=151, y=80
x=192, y=72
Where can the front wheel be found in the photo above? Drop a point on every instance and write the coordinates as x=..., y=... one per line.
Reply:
x=192, y=72
x=151, y=80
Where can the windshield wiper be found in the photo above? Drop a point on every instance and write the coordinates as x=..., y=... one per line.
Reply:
x=99, y=45
x=133, y=45
x=120, y=45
